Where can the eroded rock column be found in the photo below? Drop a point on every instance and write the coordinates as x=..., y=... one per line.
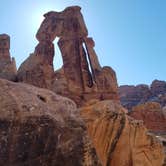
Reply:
x=7, y=64
x=75, y=65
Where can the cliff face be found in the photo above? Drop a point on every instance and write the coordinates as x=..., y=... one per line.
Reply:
x=133, y=95
x=146, y=103
x=39, y=127
x=118, y=139
x=153, y=116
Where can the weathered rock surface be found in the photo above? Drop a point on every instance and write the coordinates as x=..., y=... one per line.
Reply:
x=7, y=64
x=118, y=139
x=158, y=87
x=152, y=114
x=36, y=71
x=38, y=127
x=83, y=77
x=133, y=95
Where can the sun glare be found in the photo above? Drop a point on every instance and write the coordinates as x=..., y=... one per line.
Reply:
x=38, y=12
x=35, y=22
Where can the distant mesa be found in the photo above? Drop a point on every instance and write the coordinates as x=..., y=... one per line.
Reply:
x=133, y=95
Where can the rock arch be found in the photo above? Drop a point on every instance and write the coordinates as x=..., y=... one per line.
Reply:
x=84, y=76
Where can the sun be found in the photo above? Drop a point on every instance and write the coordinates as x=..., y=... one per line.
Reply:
x=37, y=13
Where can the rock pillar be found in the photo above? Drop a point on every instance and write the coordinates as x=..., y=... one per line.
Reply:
x=7, y=64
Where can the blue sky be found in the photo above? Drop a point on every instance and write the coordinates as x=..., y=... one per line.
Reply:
x=130, y=35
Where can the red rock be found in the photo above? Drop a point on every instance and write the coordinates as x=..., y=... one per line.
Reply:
x=83, y=77
x=7, y=64
x=39, y=127
x=158, y=87
x=118, y=139
x=36, y=71
x=133, y=95
x=152, y=115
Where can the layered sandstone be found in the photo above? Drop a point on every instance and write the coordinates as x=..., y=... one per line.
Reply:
x=83, y=77
x=133, y=95
x=118, y=139
x=7, y=64
x=158, y=87
x=39, y=127
x=152, y=114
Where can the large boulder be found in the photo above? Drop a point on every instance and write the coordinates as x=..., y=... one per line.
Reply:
x=38, y=127
x=120, y=140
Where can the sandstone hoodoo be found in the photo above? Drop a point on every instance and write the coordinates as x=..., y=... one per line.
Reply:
x=83, y=77
x=7, y=64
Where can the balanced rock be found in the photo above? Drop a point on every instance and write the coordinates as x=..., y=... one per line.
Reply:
x=153, y=116
x=7, y=64
x=118, y=139
x=83, y=77
x=39, y=127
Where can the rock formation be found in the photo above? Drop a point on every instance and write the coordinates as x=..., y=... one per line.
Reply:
x=153, y=116
x=118, y=139
x=158, y=87
x=38, y=127
x=133, y=95
x=7, y=65
x=84, y=78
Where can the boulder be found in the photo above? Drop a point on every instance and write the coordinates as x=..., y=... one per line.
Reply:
x=38, y=127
